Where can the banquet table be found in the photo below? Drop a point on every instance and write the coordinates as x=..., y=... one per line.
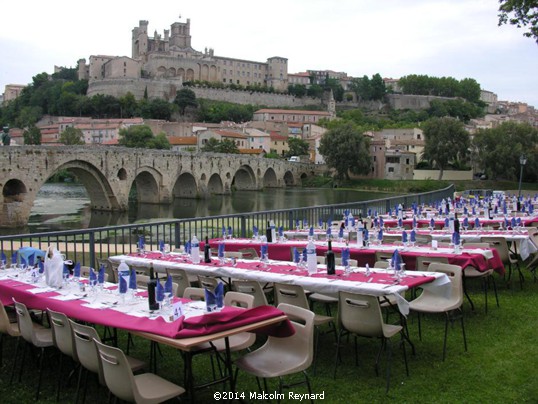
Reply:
x=108, y=308
x=480, y=259
x=380, y=282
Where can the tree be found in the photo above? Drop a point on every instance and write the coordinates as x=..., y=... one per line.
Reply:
x=32, y=135
x=445, y=141
x=297, y=147
x=185, y=98
x=498, y=150
x=72, y=136
x=521, y=13
x=159, y=142
x=224, y=146
x=345, y=149
x=211, y=145
x=136, y=136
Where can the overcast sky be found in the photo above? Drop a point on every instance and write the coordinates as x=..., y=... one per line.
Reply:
x=457, y=38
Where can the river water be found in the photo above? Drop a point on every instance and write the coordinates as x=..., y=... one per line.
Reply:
x=66, y=206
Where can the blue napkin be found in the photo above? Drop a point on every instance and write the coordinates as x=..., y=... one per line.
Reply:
x=320, y=223
x=161, y=245
x=477, y=223
x=414, y=222
x=123, y=283
x=132, y=279
x=93, y=278
x=3, y=257
x=305, y=223
x=432, y=223
x=101, y=275
x=375, y=222
x=505, y=211
x=159, y=292
x=281, y=231
x=345, y=256
x=496, y=210
x=297, y=223
x=413, y=237
x=263, y=250
x=328, y=232
x=473, y=211
x=465, y=211
x=230, y=232
x=400, y=222
x=369, y=212
x=447, y=222
x=518, y=221
x=311, y=231
x=31, y=258
x=296, y=255
x=221, y=250
x=141, y=242
x=381, y=222
x=465, y=222
x=304, y=254
x=456, y=238
x=341, y=233
x=396, y=260
x=346, y=212
x=513, y=222
x=380, y=235
x=352, y=220
x=188, y=247
x=404, y=237
x=23, y=261
x=214, y=298
x=76, y=270
x=366, y=235
x=223, y=232
x=41, y=265
x=168, y=288
x=255, y=231
x=390, y=212
x=329, y=223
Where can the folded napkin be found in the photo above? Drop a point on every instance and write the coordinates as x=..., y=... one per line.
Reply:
x=296, y=255
x=447, y=222
x=513, y=222
x=123, y=283
x=3, y=258
x=328, y=231
x=221, y=250
x=376, y=222
x=297, y=223
x=329, y=223
x=369, y=212
x=141, y=242
x=465, y=222
x=456, y=238
x=381, y=222
x=389, y=212
x=380, y=235
x=496, y=210
x=341, y=233
x=366, y=235
x=214, y=298
x=413, y=236
x=473, y=211
x=168, y=288
x=159, y=291
x=400, y=222
x=101, y=275
x=345, y=256
x=465, y=210
x=518, y=221
x=41, y=266
x=76, y=270
x=477, y=223
x=404, y=237
x=255, y=231
x=263, y=250
x=93, y=277
x=31, y=258
x=311, y=231
x=432, y=223
x=320, y=223
x=161, y=245
x=305, y=223
x=230, y=231
x=281, y=231
x=188, y=247
x=304, y=254
x=396, y=260
x=132, y=279
x=223, y=232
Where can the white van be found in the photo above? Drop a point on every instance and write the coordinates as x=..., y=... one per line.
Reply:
x=294, y=159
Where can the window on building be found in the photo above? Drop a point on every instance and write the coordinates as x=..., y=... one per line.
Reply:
x=418, y=136
x=224, y=80
x=391, y=169
x=406, y=161
x=224, y=71
x=375, y=158
x=237, y=81
x=393, y=160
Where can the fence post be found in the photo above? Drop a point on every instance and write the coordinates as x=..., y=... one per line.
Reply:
x=92, y=249
x=177, y=241
x=243, y=222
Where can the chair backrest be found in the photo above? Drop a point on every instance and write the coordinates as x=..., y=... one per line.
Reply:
x=194, y=293
x=62, y=335
x=500, y=244
x=320, y=259
x=454, y=273
x=88, y=356
x=392, y=239
x=5, y=327
x=352, y=262
x=117, y=372
x=207, y=282
x=249, y=253
x=360, y=314
x=424, y=262
x=233, y=254
x=142, y=281
x=475, y=245
x=290, y=294
x=26, y=326
x=252, y=288
x=85, y=272
x=423, y=239
x=180, y=277
x=239, y=299
x=300, y=344
x=108, y=268
x=381, y=264
x=383, y=255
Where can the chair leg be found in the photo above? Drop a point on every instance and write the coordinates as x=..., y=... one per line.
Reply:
x=388, y=347
x=41, y=360
x=446, y=332
x=466, y=292
x=15, y=360
x=485, y=286
x=58, y=387
x=24, y=348
x=463, y=331
x=494, y=289
x=337, y=356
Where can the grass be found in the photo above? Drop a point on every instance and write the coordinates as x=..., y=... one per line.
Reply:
x=499, y=366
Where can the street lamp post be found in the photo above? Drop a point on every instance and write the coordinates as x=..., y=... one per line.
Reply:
x=522, y=162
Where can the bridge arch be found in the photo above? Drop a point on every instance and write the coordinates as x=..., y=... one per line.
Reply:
x=100, y=191
x=215, y=185
x=244, y=178
x=289, y=179
x=269, y=179
x=147, y=182
x=185, y=186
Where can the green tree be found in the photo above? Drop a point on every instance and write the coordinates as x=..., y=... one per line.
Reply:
x=185, y=98
x=521, y=13
x=297, y=147
x=28, y=116
x=159, y=142
x=136, y=136
x=445, y=141
x=128, y=105
x=498, y=150
x=315, y=91
x=377, y=87
x=225, y=146
x=32, y=135
x=72, y=136
x=211, y=146
x=345, y=149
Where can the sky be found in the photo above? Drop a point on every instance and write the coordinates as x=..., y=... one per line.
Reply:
x=395, y=38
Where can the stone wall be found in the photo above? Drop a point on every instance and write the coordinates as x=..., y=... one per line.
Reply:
x=254, y=98
x=448, y=175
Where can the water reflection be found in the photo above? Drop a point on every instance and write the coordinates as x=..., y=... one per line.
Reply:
x=67, y=206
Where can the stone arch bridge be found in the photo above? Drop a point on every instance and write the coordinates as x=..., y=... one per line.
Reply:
x=109, y=174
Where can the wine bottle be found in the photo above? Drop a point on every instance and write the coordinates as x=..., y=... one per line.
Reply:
x=330, y=260
x=152, y=284
x=269, y=233
x=207, y=251
x=456, y=223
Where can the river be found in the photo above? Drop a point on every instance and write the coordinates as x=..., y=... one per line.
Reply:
x=66, y=206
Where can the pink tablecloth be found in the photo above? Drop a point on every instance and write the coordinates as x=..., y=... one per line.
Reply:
x=282, y=252
x=228, y=318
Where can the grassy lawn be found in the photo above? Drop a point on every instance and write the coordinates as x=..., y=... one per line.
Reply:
x=499, y=366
